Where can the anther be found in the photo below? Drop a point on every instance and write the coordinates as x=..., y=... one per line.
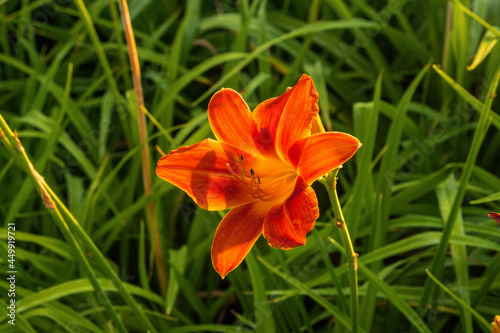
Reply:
x=236, y=159
x=241, y=158
x=252, y=173
x=258, y=179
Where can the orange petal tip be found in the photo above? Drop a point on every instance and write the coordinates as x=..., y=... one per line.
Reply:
x=235, y=236
x=222, y=276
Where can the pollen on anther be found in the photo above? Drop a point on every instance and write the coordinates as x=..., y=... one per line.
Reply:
x=252, y=172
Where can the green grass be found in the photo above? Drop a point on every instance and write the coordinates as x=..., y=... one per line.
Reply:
x=415, y=196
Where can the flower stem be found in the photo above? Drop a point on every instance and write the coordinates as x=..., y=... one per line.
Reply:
x=330, y=183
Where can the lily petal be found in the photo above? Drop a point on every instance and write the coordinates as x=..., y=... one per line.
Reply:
x=298, y=114
x=285, y=119
x=201, y=170
x=322, y=152
x=267, y=116
x=236, y=234
x=287, y=224
x=231, y=119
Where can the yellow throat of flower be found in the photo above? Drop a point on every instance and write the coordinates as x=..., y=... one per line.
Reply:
x=267, y=181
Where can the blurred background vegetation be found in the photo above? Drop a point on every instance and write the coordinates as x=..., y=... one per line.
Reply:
x=416, y=195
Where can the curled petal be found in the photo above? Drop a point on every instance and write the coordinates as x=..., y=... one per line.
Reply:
x=267, y=116
x=283, y=120
x=288, y=223
x=298, y=114
x=236, y=234
x=231, y=119
x=201, y=170
x=321, y=153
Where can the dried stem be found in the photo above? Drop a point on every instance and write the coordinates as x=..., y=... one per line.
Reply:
x=146, y=169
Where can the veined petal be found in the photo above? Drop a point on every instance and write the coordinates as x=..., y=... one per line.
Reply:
x=201, y=170
x=267, y=116
x=288, y=223
x=285, y=119
x=236, y=234
x=299, y=112
x=322, y=152
x=231, y=119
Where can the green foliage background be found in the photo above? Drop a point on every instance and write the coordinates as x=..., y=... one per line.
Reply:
x=415, y=196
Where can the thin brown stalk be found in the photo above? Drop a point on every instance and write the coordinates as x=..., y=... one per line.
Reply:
x=146, y=169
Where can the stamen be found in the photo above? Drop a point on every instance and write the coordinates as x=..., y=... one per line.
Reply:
x=273, y=184
x=251, y=184
x=247, y=187
x=231, y=170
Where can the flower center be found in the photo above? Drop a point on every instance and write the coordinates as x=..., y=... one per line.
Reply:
x=276, y=179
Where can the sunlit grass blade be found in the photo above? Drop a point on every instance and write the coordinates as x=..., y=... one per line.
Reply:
x=190, y=295
x=310, y=292
x=21, y=322
x=305, y=30
x=293, y=71
x=467, y=11
x=178, y=261
x=366, y=132
x=333, y=274
x=101, y=54
x=209, y=328
x=467, y=96
x=445, y=193
x=52, y=202
x=386, y=178
x=482, y=322
x=266, y=324
x=483, y=123
x=485, y=46
x=14, y=146
x=392, y=296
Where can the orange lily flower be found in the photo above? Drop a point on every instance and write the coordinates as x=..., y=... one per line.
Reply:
x=261, y=166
